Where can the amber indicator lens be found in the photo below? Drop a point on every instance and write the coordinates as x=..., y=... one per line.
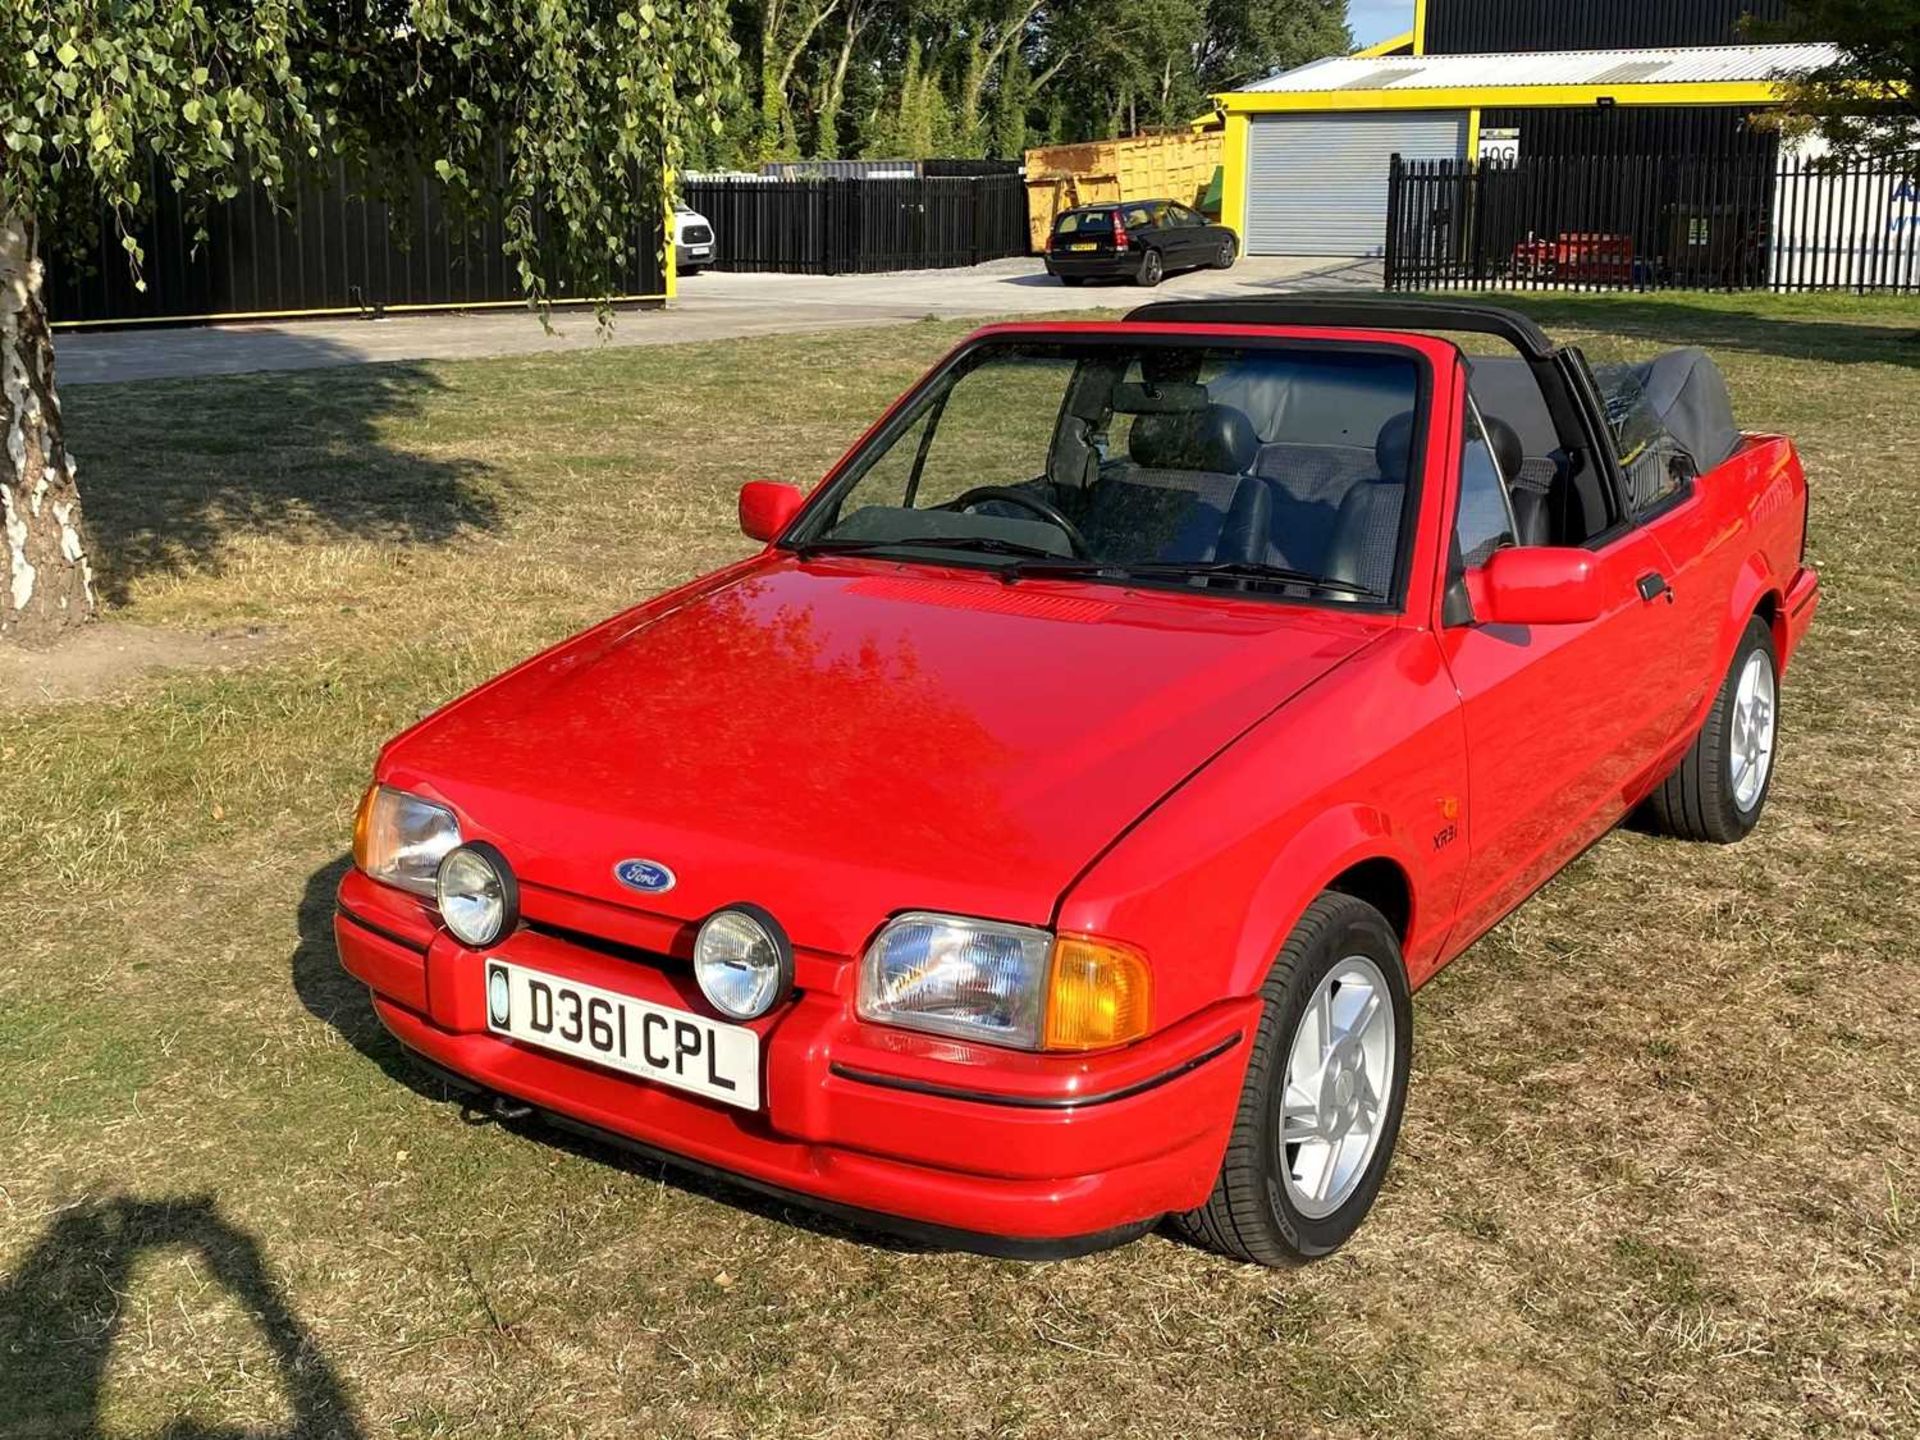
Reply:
x=1099, y=994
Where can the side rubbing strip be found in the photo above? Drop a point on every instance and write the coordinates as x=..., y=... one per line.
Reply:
x=1035, y=1102
x=385, y=934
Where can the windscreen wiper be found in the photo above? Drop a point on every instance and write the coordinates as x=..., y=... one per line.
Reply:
x=1189, y=569
x=974, y=544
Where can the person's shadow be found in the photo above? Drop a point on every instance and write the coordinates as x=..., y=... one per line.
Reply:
x=60, y=1313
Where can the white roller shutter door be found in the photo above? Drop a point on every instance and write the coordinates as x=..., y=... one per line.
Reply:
x=1317, y=184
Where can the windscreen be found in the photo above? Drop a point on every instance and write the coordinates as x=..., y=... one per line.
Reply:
x=1281, y=467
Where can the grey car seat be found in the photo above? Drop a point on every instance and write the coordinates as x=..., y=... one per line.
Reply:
x=1183, y=492
x=1366, y=533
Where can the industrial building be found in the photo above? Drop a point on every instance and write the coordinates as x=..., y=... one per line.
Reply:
x=1306, y=153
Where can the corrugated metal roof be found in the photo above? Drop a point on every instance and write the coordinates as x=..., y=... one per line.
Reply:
x=1570, y=67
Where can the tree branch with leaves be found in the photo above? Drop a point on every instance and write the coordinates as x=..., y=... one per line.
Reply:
x=568, y=114
x=1865, y=104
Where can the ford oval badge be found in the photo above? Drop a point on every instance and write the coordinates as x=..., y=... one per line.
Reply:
x=649, y=877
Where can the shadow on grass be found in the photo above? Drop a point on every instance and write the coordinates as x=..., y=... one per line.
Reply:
x=61, y=1309
x=1767, y=329
x=174, y=471
x=330, y=994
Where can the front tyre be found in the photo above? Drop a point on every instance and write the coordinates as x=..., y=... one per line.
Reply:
x=1229, y=249
x=1324, y=1093
x=1721, y=785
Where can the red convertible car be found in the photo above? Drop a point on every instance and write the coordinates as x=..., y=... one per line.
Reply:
x=1044, y=834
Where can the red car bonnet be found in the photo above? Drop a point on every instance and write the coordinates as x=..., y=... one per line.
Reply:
x=839, y=740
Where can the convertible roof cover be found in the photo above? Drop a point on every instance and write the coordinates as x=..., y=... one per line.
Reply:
x=1671, y=406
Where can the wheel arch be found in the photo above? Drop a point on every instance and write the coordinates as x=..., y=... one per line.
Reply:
x=1772, y=609
x=1352, y=849
x=1756, y=594
x=1385, y=885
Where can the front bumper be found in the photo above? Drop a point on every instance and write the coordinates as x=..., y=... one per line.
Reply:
x=692, y=257
x=979, y=1146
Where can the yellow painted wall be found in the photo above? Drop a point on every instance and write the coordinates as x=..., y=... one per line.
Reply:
x=1233, y=177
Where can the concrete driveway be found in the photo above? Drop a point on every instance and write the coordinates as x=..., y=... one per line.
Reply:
x=711, y=306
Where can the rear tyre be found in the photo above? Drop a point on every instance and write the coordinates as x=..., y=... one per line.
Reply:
x=1153, y=269
x=1229, y=251
x=1325, y=1089
x=1720, y=787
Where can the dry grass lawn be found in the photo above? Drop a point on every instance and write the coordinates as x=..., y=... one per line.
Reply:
x=1661, y=1171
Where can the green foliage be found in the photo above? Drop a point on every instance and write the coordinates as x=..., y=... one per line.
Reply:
x=1010, y=105
x=89, y=90
x=561, y=116
x=974, y=77
x=1245, y=39
x=566, y=114
x=1867, y=103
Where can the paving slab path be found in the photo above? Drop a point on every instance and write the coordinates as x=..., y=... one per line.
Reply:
x=710, y=306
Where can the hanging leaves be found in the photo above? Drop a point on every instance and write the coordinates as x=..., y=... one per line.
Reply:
x=567, y=115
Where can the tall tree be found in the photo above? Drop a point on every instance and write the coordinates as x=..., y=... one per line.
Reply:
x=1010, y=105
x=1246, y=39
x=857, y=18
x=973, y=77
x=591, y=101
x=787, y=30
x=1866, y=103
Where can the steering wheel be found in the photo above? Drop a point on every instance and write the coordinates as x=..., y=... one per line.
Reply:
x=1045, y=510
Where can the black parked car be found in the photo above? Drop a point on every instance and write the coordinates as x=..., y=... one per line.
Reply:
x=1137, y=240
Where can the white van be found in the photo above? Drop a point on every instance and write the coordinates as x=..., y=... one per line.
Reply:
x=692, y=241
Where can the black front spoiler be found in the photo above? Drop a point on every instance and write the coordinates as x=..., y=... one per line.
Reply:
x=918, y=1232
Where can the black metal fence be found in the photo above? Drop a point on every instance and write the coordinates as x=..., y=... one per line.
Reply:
x=845, y=227
x=1651, y=222
x=328, y=249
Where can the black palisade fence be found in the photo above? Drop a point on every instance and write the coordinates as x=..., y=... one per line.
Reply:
x=1653, y=222
x=323, y=248
x=858, y=226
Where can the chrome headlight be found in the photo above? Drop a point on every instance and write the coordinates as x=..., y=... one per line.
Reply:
x=1006, y=984
x=400, y=839
x=743, y=961
x=479, y=899
x=980, y=979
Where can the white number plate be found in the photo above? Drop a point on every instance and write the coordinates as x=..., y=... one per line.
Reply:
x=655, y=1042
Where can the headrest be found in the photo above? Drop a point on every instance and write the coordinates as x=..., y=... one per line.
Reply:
x=1393, y=448
x=1508, y=451
x=1219, y=439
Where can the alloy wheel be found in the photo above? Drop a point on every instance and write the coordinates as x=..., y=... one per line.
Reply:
x=1333, y=1097
x=1750, y=736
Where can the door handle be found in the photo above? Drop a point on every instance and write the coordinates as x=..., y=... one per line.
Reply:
x=1652, y=586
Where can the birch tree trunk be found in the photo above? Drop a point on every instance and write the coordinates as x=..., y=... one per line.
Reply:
x=46, y=585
